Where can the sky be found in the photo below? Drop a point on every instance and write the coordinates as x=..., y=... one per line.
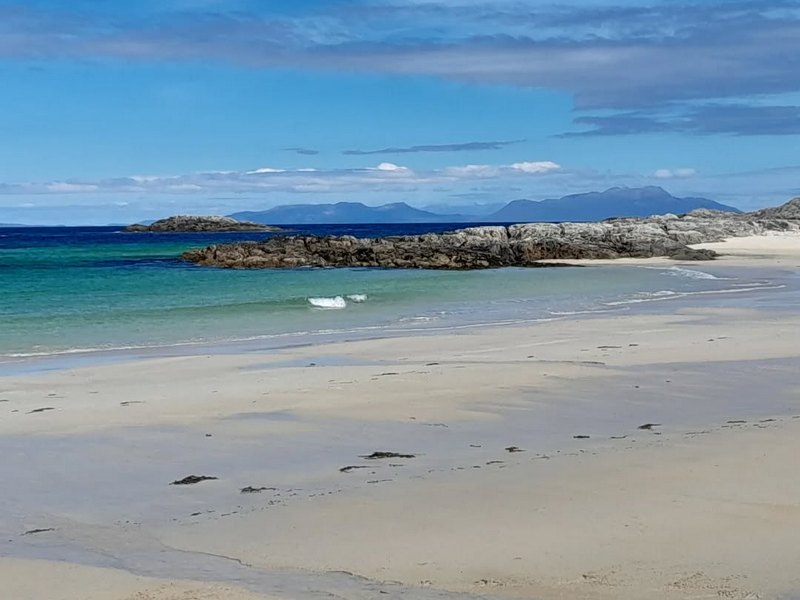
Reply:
x=116, y=112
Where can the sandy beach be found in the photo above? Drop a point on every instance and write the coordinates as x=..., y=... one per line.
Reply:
x=647, y=453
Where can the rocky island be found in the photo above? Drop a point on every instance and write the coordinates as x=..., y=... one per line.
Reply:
x=524, y=245
x=191, y=224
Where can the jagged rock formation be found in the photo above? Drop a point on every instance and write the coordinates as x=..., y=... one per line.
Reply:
x=790, y=210
x=517, y=245
x=189, y=224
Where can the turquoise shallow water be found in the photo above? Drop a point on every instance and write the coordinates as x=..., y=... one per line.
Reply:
x=68, y=290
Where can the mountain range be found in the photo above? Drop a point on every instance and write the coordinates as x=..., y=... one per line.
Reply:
x=592, y=206
x=342, y=212
x=596, y=206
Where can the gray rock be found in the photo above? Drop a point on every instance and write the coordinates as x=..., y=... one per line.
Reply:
x=189, y=224
x=790, y=210
x=525, y=245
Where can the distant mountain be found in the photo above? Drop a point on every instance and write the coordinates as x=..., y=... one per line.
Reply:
x=341, y=212
x=596, y=206
x=474, y=211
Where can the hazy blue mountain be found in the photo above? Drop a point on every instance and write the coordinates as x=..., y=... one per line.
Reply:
x=596, y=206
x=341, y=212
x=474, y=211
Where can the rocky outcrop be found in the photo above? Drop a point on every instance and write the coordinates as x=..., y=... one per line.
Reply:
x=190, y=224
x=790, y=210
x=518, y=245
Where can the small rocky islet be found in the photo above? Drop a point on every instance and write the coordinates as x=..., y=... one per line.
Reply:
x=193, y=224
x=524, y=245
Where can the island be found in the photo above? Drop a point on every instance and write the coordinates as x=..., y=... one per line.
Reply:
x=523, y=245
x=193, y=224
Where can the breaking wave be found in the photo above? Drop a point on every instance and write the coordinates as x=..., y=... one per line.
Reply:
x=671, y=295
x=337, y=302
x=690, y=273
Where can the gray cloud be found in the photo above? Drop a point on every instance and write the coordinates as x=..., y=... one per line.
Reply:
x=746, y=120
x=465, y=147
x=708, y=119
x=302, y=151
x=617, y=57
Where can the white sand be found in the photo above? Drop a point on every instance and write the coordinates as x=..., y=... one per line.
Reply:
x=707, y=509
x=709, y=516
x=775, y=249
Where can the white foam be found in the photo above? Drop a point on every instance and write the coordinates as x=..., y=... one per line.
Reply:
x=670, y=295
x=357, y=298
x=754, y=288
x=641, y=299
x=416, y=319
x=591, y=311
x=475, y=325
x=95, y=349
x=335, y=303
x=659, y=294
x=690, y=273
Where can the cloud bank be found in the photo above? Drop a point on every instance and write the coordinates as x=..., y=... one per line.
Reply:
x=265, y=180
x=134, y=198
x=663, y=67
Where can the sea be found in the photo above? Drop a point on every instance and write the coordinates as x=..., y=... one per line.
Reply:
x=93, y=290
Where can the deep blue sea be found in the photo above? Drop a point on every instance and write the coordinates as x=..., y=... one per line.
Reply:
x=76, y=289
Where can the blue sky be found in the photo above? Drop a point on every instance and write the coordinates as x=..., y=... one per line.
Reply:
x=114, y=112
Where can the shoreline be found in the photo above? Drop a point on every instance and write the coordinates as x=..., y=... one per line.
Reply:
x=775, y=251
x=533, y=474
x=28, y=363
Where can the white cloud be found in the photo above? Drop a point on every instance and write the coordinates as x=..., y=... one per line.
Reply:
x=683, y=173
x=261, y=171
x=387, y=166
x=544, y=166
x=185, y=187
x=473, y=171
x=385, y=177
